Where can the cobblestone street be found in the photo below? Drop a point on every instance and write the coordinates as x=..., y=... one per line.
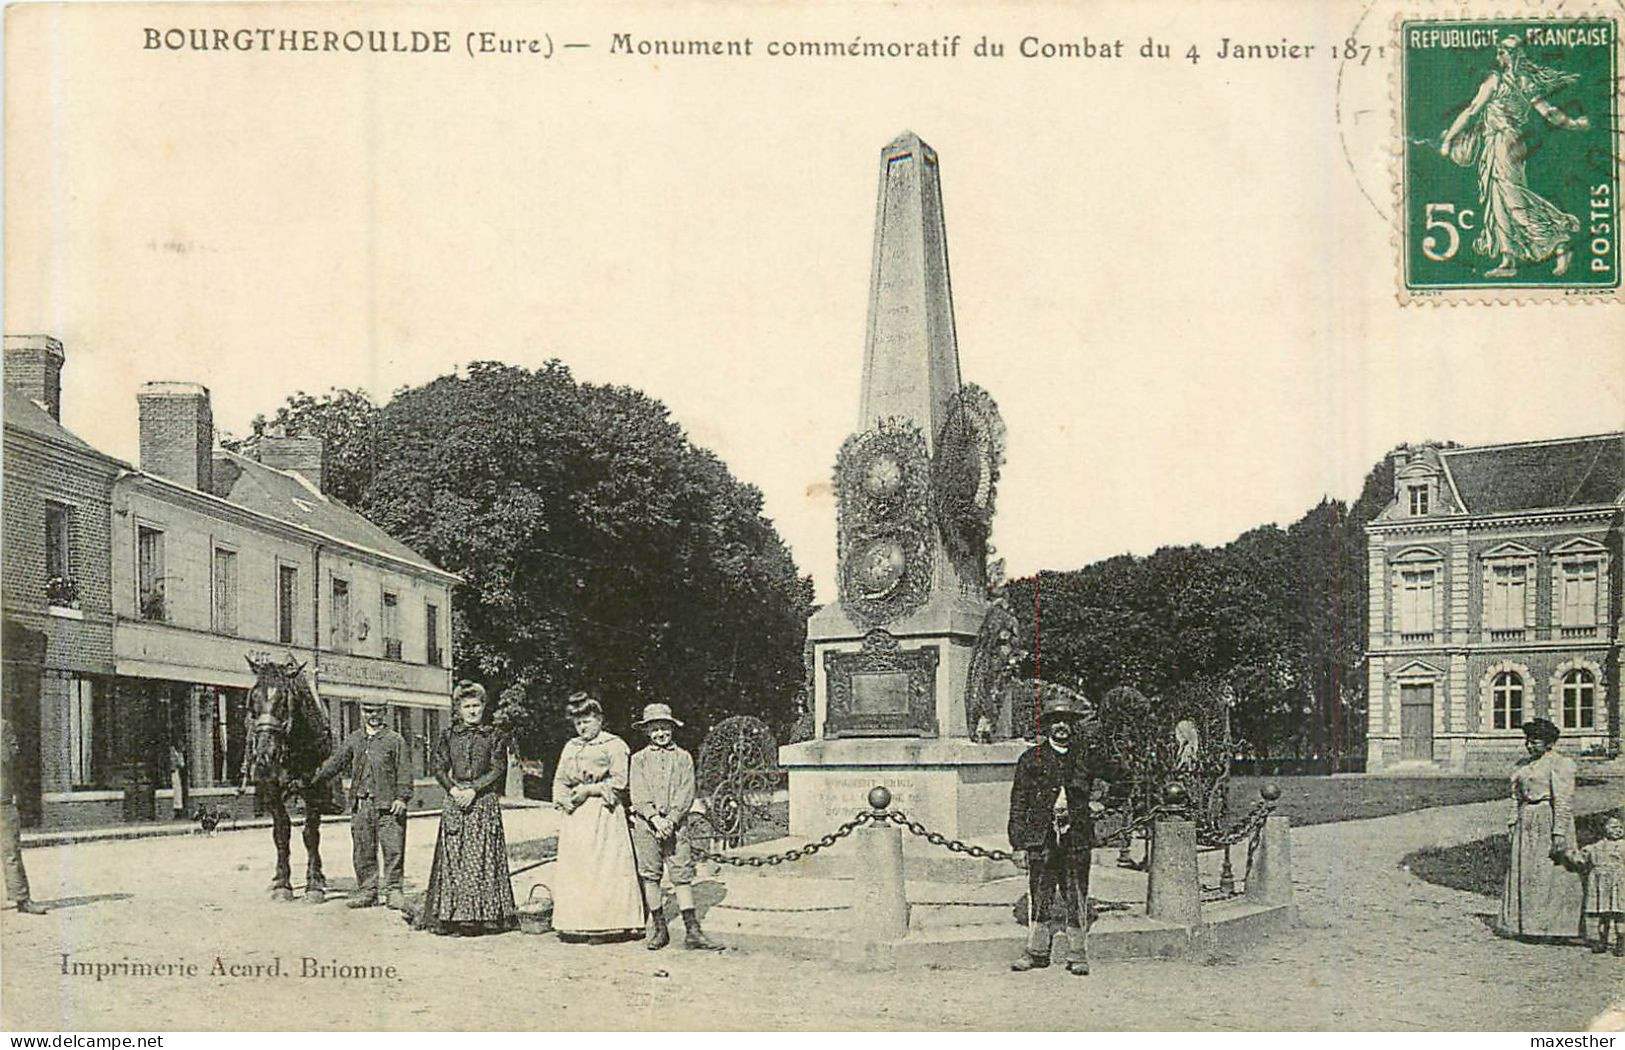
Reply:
x=1377, y=949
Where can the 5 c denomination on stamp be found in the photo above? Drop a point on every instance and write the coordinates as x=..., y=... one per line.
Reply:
x=1509, y=169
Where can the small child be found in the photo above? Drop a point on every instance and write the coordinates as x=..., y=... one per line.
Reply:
x=1604, y=862
x=662, y=789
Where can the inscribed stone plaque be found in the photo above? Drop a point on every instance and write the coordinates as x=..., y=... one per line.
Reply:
x=880, y=693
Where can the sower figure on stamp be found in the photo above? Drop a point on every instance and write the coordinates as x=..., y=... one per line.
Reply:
x=380, y=788
x=1052, y=832
x=662, y=788
x=1518, y=224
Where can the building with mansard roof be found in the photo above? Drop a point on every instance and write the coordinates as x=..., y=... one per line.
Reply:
x=1494, y=596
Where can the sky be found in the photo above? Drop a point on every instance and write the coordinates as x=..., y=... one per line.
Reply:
x=1176, y=280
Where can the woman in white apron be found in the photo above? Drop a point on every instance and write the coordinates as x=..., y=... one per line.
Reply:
x=596, y=895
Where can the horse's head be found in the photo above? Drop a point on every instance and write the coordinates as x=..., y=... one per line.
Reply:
x=270, y=715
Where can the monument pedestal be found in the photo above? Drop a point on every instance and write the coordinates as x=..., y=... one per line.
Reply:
x=951, y=786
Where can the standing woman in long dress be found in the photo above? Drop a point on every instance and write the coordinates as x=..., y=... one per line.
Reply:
x=1544, y=891
x=596, y=894
x=469, y=889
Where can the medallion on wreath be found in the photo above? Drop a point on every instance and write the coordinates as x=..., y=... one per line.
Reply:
x=882, y=485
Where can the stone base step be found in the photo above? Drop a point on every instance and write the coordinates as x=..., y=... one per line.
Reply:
x=1230, y=926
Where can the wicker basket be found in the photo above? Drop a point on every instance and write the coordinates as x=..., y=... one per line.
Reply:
x=536, y=914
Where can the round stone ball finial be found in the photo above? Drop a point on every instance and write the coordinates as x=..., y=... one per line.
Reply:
x=879, y=799
x=1175, y=795
x=1270, y=791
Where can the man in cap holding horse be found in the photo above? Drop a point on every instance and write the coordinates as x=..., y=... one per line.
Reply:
x=662, y=790
x=1052, y=831
x=380, y=789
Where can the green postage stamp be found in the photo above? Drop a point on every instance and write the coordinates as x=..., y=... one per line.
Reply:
x=1509, y=180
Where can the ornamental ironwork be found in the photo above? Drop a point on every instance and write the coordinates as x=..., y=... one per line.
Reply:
x=737, y=774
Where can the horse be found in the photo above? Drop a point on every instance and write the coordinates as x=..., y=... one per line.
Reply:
x=288, y=739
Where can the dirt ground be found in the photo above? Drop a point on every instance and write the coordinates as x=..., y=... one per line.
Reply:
x=1378, y=949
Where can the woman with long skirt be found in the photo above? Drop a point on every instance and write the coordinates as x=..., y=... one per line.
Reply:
x=1544, y=890
x=469, y=888
x=596, y=894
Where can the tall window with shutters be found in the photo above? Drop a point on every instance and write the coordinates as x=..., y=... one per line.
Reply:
x=340, y=610
x=1416, y=587
x=431, y=626
x=225, y=591
x=390, y=623
x=1507, y=592
x=1577, y=597
x=287, y=597
x=149, y=574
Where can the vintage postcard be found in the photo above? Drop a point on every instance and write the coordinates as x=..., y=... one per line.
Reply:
x=721, y=516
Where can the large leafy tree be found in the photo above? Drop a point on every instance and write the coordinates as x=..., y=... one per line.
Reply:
x=599, y=548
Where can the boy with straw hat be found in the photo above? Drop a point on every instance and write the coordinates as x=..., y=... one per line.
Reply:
x=662, y=787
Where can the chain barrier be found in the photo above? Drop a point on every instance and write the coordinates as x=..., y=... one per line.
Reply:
x=863, y=817
x=936, y=838
x=914, y=827
x=1248, y=827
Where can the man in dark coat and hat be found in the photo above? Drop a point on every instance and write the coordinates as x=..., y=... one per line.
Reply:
x=1052, y=831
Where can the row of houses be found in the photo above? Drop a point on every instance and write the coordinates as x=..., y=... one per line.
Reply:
x=1495, y=598
x=134, y=594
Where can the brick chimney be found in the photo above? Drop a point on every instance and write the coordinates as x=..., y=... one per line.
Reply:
x=303, y=455
x=177, y=433
x=1397, y=459
x=34, y=369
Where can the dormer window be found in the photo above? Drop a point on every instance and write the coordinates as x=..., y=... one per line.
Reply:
x=1416, y=490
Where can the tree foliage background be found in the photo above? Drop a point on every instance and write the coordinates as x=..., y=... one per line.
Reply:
x=1276, y=617
x=599, y=548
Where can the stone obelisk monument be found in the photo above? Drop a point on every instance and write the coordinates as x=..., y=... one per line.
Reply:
x=893, y=654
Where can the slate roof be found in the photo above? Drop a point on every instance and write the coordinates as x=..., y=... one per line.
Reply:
x=288, y=497
x=1538, y=475
x=29, y=418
